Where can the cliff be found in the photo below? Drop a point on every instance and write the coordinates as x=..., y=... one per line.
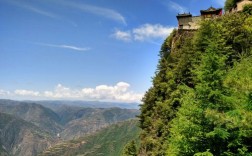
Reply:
x=186, y=111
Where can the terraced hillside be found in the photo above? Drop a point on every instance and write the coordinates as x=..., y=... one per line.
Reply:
x=109, y=141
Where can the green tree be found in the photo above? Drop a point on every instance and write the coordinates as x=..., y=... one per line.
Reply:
x=247, y=9
x=214, y=115
x=191, y=108
x=191, y=130
x=130, y=149
x=161, y=101
x=229, y=4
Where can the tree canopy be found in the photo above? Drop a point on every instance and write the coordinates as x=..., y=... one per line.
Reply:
x=229, y=4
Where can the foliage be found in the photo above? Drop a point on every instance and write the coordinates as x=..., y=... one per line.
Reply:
x=207, y=153
x=160, y=103
x=200, y=101
x=130, y=149
x=211, y=115
x=247, y=9
x=229, y=4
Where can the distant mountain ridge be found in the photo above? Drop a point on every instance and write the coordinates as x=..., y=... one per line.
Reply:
x=89, y=104
x=34, y=113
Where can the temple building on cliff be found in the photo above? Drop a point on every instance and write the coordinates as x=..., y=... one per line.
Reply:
x=188, y=22
x=239, y=5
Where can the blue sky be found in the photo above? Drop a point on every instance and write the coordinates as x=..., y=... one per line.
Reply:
x=85, y=49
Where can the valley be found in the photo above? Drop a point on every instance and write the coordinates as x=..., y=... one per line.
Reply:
x=109, y=141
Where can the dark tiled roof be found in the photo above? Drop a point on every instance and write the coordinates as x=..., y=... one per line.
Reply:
x=184, y=15
x=211, y=9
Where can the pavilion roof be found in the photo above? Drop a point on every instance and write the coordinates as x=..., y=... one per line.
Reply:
x=184, y=15
x=211, y=9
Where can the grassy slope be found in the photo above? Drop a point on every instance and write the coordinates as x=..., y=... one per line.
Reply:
x=107, y=142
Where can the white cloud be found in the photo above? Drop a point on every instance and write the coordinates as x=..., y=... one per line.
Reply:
x=119, y=92
x=122, y=35
x=3, y=92
x=71, y=47
x=100, y=11
x=26, y=93
x=146, y=32
x=175, y=6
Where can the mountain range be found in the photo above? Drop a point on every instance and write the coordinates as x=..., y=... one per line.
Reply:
x=29, y=128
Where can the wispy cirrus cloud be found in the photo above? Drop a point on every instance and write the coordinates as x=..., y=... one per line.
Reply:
x=96, y=10
x=171, y=5
x=71, y=47
x=119, y=92
x=145, y=32
x=41, y=12
x=34, y=9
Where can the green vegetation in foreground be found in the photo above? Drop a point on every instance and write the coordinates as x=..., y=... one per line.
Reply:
x=106, y=142
x=201, y=99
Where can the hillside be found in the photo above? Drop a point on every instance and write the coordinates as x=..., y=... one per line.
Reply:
x=29, y=128
x=200, y=100
x=109, y=141
x=18, y=137
x=81, y=121
x=34, y=113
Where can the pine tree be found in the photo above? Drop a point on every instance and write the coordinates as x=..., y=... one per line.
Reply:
x=214, y=116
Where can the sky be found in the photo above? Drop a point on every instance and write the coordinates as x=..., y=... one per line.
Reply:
x=104, y=50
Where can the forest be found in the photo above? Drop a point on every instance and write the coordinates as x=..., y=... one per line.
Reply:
x=200, y=102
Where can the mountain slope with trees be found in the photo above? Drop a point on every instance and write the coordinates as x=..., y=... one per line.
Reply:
x=200, y=101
